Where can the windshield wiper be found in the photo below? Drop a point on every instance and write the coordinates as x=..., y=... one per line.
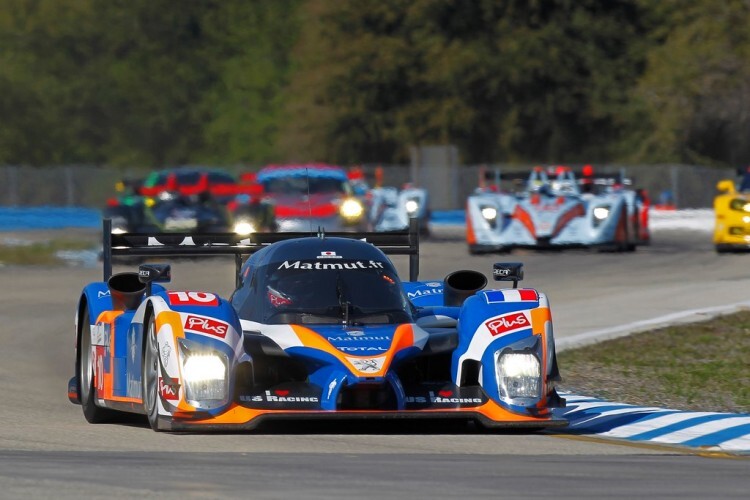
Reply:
x=343, y=303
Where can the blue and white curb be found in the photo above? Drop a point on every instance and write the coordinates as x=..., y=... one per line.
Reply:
x=707, y=431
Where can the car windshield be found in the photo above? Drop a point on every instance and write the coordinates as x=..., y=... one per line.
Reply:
x=188, y=178
x=299, y=185
x=325, y=291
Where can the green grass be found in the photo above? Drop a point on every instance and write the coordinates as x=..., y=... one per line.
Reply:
x=39, y=253
x=701, y=366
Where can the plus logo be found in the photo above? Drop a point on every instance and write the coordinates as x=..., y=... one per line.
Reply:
x=207, y=326
x=507, y=323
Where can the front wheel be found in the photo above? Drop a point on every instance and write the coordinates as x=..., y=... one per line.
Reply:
x=150, y=375
x=86, y=381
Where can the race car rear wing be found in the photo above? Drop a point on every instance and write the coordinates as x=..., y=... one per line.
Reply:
x=213, y=244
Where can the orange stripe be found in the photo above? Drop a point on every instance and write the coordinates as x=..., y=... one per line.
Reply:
x=539, y=318
x=108, y=317
x=471, y=238
x=124, y=399
x=524, y=218
x=241, y=415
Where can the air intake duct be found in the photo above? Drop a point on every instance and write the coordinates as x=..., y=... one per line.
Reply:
x=460, y=285
x=126, y=291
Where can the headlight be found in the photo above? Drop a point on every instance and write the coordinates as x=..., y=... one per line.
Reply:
x=518, y=375
x=489, y=213
x=243, y=227
x=411, y=206
x=351, y=209
x=601, y=213
x=205, y=377
x=739, y=204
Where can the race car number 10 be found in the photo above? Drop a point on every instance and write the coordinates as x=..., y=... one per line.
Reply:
x=193, y=299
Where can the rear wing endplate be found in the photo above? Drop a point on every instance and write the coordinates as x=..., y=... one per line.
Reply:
x=213, y=244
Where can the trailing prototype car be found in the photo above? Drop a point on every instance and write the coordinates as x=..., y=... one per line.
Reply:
x=308, y=196
x=390, y=208
x=555, y=212
x=190, y=199
x=319, y=326
x=732, y=212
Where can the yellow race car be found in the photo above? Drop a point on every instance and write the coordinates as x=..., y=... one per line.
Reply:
x=732, y=209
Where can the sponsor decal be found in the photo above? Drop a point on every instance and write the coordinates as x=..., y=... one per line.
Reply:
x=367, y=365
x=101, y=294
x=444, y=397
x=355, y=333
x=193, y=299
x=100, y=334
x=279, y=396
x=277, y=299
x=354, y=264
x=206, y=326
x=501, y=272
x=328, y=255
x=424, y=291
x=331, y=387
x=507, y=323
x=434, y=284
x=134, y=387
x=166, y=352
x=169, y=389
x=362, y=349
x=378, y=338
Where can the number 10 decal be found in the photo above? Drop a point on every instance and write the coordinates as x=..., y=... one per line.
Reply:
x=193, y=299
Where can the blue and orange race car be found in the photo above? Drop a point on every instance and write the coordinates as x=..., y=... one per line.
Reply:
x=319, y=326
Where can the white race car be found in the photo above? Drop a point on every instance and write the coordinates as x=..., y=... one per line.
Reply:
x=556, y=210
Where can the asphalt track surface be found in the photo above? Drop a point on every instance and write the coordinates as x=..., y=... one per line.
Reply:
x=47, y=450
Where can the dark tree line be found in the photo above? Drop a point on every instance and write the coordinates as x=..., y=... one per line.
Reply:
x=163, y=82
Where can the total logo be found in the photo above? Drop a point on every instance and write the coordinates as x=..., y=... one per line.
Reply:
x=206, y=326
x=508, y=323
x=347, y=348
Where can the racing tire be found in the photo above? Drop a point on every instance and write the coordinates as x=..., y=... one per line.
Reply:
x=150, y=375
x=86, y=385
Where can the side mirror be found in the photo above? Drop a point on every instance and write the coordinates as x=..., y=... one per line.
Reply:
x=508, y=271
x=725, y=186
x=154, y=273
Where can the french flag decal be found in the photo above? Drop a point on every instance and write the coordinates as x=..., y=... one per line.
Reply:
x=511, y=295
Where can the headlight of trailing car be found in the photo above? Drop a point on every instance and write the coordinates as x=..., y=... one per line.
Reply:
x=412, y=206
x=205, y=377
x=740, y=205
x=489, y=214
x=244, y=227
x=351, y=209
x=518, y=375
x=601, y=213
